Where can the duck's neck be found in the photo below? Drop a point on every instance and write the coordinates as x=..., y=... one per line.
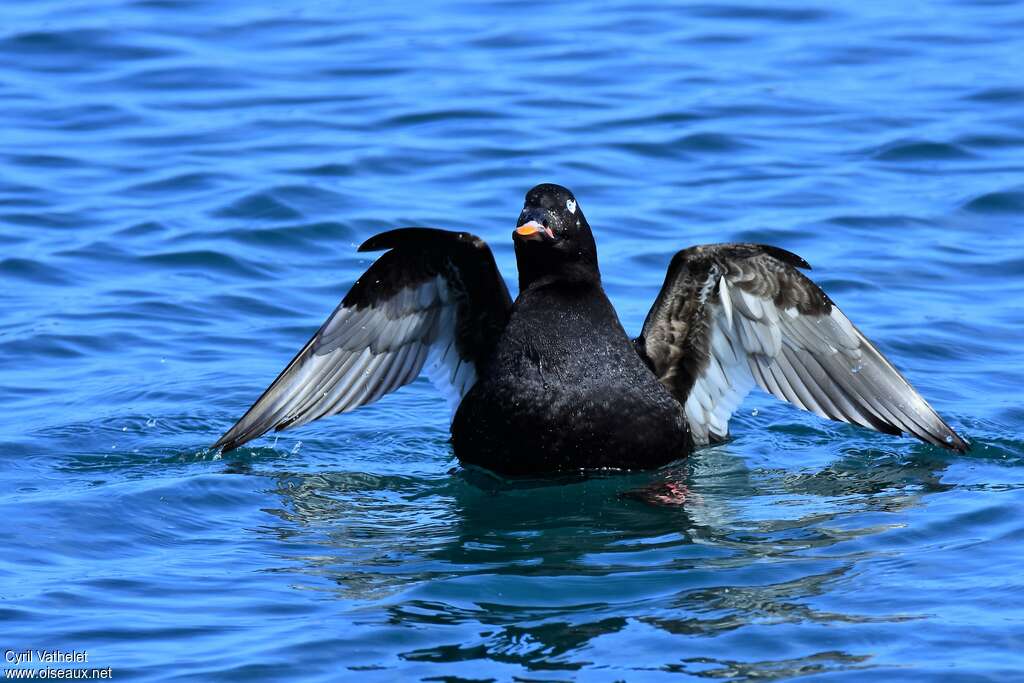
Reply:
x=542, y=265
x=573, y=276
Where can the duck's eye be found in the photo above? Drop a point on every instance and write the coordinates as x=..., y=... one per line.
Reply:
x=571, y=205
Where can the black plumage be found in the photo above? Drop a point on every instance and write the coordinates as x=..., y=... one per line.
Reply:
x=566, y=390
x=552, y=382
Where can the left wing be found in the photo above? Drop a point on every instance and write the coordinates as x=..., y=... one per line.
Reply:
x=732, y=315
x=433, y=302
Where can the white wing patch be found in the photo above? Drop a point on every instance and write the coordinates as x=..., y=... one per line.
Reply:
x=720, y=389
x=451, y=375
x=820, y=363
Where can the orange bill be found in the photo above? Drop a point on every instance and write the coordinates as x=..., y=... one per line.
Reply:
x=533, y=229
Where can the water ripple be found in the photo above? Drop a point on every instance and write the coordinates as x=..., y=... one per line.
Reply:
x=184, y=187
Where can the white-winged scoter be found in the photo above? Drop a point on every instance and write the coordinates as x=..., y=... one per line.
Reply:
x=551, y=382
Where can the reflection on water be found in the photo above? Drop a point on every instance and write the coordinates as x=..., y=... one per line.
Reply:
x=819, y=662
x=544, y=570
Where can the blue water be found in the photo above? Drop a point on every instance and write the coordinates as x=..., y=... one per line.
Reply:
x=182, y=187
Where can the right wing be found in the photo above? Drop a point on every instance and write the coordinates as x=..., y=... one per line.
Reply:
x=434, y=300
x=732, y=315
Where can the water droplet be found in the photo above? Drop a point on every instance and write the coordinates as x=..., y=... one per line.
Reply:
x=163, y=360
x=754, y=412
x=949, y=438
x=296, y=447
x=124, y=429
x=151, y=422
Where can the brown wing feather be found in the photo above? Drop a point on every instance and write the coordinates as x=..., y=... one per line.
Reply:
x=732, y=315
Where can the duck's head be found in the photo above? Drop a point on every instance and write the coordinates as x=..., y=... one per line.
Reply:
x=553, y=240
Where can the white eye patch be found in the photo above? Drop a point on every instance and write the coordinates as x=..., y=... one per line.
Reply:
x=571, y=205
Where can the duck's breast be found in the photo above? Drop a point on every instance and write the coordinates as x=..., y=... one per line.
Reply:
x=566, y=390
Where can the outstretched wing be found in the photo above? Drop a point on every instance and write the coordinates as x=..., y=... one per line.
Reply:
x=732, y=315
x=435, y=300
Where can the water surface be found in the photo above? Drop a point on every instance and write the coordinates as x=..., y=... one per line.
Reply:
x=182, y=187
